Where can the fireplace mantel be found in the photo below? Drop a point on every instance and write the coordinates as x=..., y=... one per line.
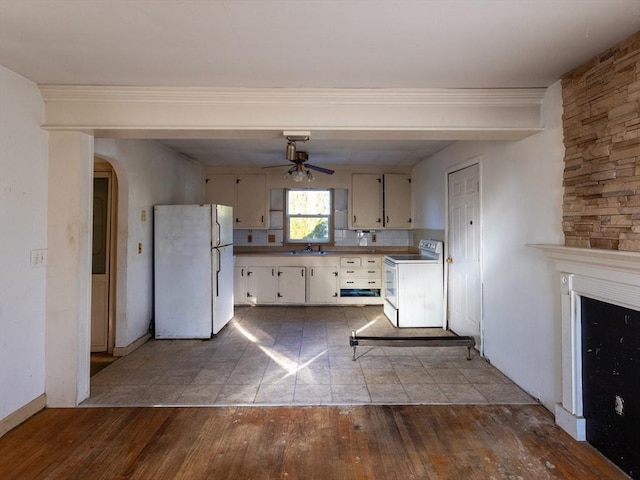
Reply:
x=610, y=276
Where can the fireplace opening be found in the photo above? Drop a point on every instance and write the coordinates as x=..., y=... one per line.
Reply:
x=611, y=381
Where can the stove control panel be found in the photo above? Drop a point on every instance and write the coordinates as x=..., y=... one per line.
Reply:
x=429, y=245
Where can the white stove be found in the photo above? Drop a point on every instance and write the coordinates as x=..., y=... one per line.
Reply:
x=414, y=287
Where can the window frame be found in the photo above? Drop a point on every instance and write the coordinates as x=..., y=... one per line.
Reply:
x=330, y=216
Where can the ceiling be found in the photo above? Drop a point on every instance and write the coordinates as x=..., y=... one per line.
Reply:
x=308, y=44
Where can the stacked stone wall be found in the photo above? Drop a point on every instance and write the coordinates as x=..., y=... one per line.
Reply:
x=601, y=122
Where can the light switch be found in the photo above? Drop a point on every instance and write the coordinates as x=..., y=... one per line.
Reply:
x=143, y=215
x=39, y=258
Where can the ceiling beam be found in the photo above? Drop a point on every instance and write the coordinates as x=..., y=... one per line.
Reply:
x=177, y=112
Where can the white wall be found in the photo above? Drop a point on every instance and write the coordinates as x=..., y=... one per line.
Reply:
x=148, y=174
x=521, y=195
x=23, y=228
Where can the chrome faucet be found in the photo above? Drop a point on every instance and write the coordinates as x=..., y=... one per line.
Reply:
x=309, y=249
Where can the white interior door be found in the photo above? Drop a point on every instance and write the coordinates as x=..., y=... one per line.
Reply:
x=464, y=252
x=101, y=250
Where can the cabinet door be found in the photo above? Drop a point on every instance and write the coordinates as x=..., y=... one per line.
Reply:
x=251, y=201
x=291, y=285
x=366, y=201
x=261, y=285
x=323, y=285
x=239, y=285
x=397, y=201
x=221, y=189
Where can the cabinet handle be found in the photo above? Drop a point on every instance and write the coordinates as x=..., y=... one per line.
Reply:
x=354, y=219
x=335, y=294
x=409, y=221
x=371, y=282
x=349, y=271
x=262, y=219
x=312, y=272
x=273, y=272
x=249, y=273
x=335, y=274
x=387, y=218
x=350, y=282
x=371, y=271
x=237, y=220
x=249, y=294
x=379, y=220
x=302, y=272
x=348, y=261
x=242, y=272
x=279, y=296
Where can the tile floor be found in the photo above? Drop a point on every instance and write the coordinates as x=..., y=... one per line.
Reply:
x=300, y=356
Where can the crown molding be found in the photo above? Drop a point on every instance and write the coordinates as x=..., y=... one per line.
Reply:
x=206, y=95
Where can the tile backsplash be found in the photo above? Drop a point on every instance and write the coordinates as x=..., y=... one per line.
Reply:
x=343, y=238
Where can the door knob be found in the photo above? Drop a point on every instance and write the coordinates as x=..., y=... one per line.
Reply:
x=449, y=260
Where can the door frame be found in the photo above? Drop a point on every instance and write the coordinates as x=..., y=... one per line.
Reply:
x=476, y=159
x=103, y=168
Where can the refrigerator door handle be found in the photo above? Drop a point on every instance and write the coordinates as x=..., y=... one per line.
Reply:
x=218, y=273
x=219, y=233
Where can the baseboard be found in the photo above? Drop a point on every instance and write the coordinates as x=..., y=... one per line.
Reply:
x=124, y=351
x=16, y=418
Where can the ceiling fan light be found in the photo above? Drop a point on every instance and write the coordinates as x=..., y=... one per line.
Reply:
x=298, y=176
x=309, y=176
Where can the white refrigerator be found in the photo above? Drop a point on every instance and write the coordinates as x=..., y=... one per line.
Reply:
x=193, y=270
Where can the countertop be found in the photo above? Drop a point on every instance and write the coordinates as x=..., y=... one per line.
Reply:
x=331, y=251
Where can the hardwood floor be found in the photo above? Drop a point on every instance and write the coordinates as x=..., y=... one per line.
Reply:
x=324, y=442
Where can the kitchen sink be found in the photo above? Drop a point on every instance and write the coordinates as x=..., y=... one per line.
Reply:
x=307, y=252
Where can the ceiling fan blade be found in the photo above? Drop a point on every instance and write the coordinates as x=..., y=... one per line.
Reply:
x=278, y=166
x=319, y=169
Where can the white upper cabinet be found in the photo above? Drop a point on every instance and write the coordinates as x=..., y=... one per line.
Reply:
x=246, y=193
x=397, y=201
x=221, y=189
x=251, y=201
x=366, y=201
x=380, y=201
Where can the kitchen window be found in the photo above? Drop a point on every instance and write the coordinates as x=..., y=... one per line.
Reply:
x=308, y=216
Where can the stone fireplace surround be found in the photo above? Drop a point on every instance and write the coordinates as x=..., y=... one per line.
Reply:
x=610, y=276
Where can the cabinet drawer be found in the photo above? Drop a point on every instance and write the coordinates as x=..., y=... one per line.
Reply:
x=360, y=283
x=371, y=261
x=350, y=261
x=360, y=272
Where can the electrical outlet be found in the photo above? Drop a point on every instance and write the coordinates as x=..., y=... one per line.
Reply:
x=139, y=248
x=374, y=238
x=249, y=238
x=143, y=215
x=271, y=238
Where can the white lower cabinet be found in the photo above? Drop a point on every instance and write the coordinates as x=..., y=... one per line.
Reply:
x=291, y=285
x=264, y=285
x=261, y=285
x=280, y=279
x=323, y=285
x=361, y=279
x=240, y=285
